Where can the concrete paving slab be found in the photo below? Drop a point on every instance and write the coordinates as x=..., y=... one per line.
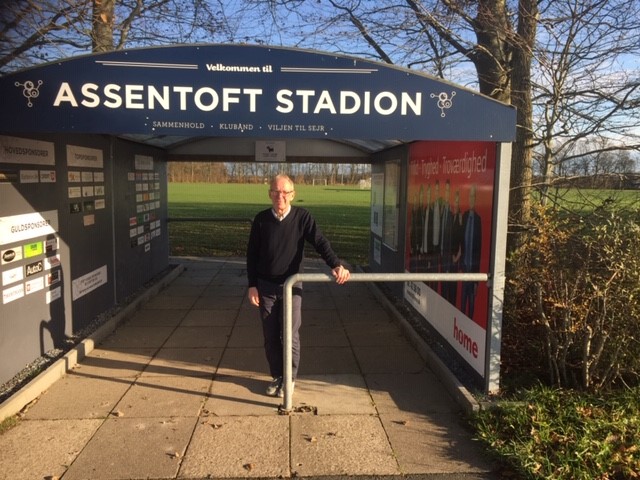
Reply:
x=327, y=360
x=137, y=337
x=354, y=303
x=75, y=396
x=233, y=263
x=413, y=393
x=353, y=290
x=389, y=359
x=434, y=444
x=115, y=362
x=239, y=447
x=243, y=362
x=165, y=302
x=359, y=289
x=188, y=362
x=174, y=290
x=202, y=269
x=205, y=318
x=322, y=336
x=233, y=395
x=333, y=394
x=198, y=264
x=365, y=316
x=36, y=449
x=376, y=335
x=317, y=301
x=221, y=303
x=188, y=279
x=246, y=336
x=164, y=397
x=230, y=278
x=156, y=318
x=126, y=448
x=340, y=445
x=321, y=317
x=225, y=290
x=198, y=337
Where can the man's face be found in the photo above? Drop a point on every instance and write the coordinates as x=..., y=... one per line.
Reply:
x=281, y=194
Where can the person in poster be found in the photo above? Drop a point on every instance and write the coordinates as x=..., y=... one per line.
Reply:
x=447, y=289
x=436, y=233
x=416, y=226
x=472, y=245
x=427, y=237
x=457, y=236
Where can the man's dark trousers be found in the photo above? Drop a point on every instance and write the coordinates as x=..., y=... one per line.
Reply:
x=272, y=315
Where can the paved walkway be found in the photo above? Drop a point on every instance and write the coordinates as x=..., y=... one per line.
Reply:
x=177, y=391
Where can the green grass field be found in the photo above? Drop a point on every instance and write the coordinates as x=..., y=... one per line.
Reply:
x=341, y=211
x=585, y=200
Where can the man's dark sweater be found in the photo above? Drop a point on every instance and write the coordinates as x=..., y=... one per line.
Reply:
x=276, y=248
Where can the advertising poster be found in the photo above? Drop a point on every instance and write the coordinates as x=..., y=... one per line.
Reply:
x=449, y=215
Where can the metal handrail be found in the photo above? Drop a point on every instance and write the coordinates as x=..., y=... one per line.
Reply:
x=355, y=277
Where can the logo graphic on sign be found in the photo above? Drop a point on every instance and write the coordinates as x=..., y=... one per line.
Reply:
x=444, y=101
x=33, y=249
x=11, y=255
x=34, y=268
x=30, y=90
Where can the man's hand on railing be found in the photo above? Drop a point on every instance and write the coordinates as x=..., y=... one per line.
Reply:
x=341, y=274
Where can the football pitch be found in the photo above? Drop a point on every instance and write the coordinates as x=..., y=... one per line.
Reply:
x=342, y=212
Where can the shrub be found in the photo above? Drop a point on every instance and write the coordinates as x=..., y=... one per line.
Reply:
x=575, y=296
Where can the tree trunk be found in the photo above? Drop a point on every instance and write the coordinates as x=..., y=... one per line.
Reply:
x=522, y=158
x=491, y=56
x=102, y=25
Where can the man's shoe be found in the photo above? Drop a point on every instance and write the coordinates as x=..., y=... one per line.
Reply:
x=274, y=387
x=280, y=392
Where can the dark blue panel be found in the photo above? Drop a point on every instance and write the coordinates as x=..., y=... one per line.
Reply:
x=247, y=91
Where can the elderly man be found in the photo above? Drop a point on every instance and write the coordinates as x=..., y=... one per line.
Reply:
x=275, y=252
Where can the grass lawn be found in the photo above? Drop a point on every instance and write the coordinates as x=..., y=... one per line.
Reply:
x=341, y=211
x=582, y=201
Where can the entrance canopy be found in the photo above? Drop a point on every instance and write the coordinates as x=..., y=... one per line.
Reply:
x=166, y=95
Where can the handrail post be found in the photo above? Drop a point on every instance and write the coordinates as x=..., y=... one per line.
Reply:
x=288, y=343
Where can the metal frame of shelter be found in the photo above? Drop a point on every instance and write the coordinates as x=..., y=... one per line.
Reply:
x=185, y=98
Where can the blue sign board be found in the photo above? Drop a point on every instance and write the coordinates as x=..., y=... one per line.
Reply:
x=245, y=91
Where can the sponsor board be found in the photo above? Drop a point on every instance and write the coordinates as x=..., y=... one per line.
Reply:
x=12, y=276
x=16, y=228
x=33, y=249
x=34, y=285
x=54, y=294
x=12, y=293
x=35, y=268
x=88, y=282
x=22, y=150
